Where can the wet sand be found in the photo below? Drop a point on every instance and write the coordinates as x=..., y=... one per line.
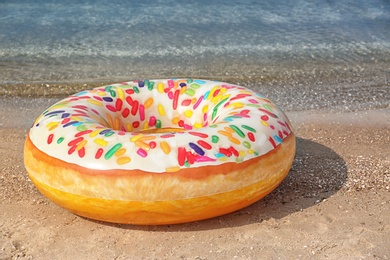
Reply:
x=334, y=204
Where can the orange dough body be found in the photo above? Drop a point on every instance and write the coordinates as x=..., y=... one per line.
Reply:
x=143, y=198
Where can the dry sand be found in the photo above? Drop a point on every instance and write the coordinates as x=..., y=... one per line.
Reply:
x=334, y=204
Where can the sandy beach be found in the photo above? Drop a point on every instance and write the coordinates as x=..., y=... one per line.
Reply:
x=334, y=204
x=325, y=63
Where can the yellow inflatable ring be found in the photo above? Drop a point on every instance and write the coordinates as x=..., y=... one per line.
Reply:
x=159, y=151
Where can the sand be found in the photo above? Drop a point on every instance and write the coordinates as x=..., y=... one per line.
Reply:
x=334, y=204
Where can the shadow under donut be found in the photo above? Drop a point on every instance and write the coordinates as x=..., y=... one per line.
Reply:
x=317, y=173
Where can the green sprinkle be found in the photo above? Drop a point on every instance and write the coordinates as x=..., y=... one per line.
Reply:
x=214, y=139
x=107, y=88
x=112, y=151
x=150, y=85
x=215, y=111
x=220, y=103
x=187, y=164
x=256, y=153
x=189, y=81
x=213, y=125
x=247, y=145
x=112, y=93
x=158, y=123
x=136, y=89
x=190, y=92
x=238, y=131
x=60, y=140
x=195, y=86
x=81, y=128
x=109, y=134
x=249, y=128
x=268, y=107
x=253, y=105
x=239, y=159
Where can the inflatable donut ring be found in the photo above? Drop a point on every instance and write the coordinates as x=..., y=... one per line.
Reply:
x=159, y=151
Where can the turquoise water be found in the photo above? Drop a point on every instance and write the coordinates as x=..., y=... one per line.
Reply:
x=61, y=41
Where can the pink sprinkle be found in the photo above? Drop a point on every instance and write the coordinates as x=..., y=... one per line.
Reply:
x=204, y=159
x=141, y=152
x=198, y=102
x=186, y=102
x=253, y=101
x=187, y=127
x=152, y=121
x=170, y=83
x=96, y=112
x=142, y=112
x=111, y=108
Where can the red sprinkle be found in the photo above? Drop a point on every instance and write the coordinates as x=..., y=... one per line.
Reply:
x=272, y=142
x=134, y=109
x=99, y=153
x=65, y=121
x=225, y=152
x=190, y=158
x=203, y=135
x=81, y=152
x=176, y=98
x=118, y=104
x=233, y=151
x=135, y=124
x=75, y=141
x=152, y=144
x=50, y=138
x=181, y=155
x=251, y=136
x=129, y=91
x=129, y=100
x=125, y=112
x=264, y=117
x=205, y=145
x=72, y=149
x=83, y=133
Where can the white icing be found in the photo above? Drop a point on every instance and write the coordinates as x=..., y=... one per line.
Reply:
x=84, y=151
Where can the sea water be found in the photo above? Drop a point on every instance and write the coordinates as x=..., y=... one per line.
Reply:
x=84, y=41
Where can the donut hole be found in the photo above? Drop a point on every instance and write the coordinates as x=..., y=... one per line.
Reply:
x=154, y=112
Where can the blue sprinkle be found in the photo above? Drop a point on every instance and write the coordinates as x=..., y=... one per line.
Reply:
x=229, y=119
x=219, y=155
x=197, y=149
x=80, y=93
x=71, y=123
x=104, y=131
x=182, y=84
x=107, y=99
x=55, y=112
x=277, y=138
x=206, y=95
x=199, y=81
x=141, y=84
x=64, y=115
